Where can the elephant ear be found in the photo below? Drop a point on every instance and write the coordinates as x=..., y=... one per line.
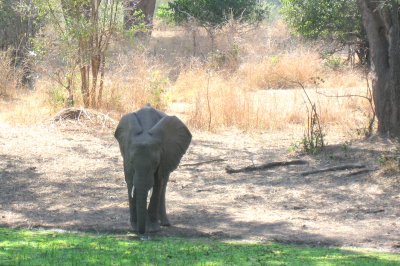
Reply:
x=175, y=138
x=129, y=125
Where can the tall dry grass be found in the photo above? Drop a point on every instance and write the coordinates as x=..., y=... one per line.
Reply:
x=282, y=70
x=217, y=103
x=248, y=81
x=137, y=79
x=10, y=76
x=17, y=105
x=262, y=93
x=27, y=108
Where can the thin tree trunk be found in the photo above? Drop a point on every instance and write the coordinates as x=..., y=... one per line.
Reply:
x=84, y=70
x=96, y=62
x=101, y=86
x=95, y=51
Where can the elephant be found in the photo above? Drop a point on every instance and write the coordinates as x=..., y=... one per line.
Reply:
x=152, y=145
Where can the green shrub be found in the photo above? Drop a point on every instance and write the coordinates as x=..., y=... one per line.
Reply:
x=56, y=98
x=211, y=13
x=165, y=14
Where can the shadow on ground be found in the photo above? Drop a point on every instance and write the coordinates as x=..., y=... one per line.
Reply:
x=201, y=197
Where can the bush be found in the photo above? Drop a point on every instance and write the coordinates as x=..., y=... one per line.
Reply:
x=315, y=18
x=10, y=77
x=210, y=13
x=165, y=14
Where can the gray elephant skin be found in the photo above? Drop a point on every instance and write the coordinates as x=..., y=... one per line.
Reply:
x=152, y=145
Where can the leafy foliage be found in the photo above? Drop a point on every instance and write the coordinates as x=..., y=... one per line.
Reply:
x=18, y=22
x=83, y=31
x=340, y=19
x=210, y=13
x=165, y=13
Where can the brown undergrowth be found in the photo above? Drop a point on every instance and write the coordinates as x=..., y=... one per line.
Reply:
x=245, y=82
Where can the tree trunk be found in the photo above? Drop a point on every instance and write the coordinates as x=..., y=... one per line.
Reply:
x=381, y=22
x=101, y=85
x=85, y=85
x=132, y=6
x=96, y=63
x=71, y=13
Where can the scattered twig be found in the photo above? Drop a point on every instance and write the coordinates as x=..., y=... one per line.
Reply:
x=266, y=166
x=82, y=116
x=334, y=168
x=205, y=162
x=372, y=211
x=203, y=190
x=341, y=96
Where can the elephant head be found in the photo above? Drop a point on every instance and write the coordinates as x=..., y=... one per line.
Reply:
x=152, y=145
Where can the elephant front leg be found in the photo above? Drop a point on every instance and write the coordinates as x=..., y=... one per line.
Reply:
x=132, y=205
x=153, y=225
x=163, y=211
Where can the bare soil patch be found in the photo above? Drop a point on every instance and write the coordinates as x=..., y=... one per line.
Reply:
x=71, y=177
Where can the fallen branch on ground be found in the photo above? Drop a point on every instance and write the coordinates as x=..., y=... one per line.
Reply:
x=266, y=166
x=363, y=171
x=205, y=162
x=335, y=168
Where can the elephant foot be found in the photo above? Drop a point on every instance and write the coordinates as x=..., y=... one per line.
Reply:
x=165, y=221
x=133, y=225
x=152, y=227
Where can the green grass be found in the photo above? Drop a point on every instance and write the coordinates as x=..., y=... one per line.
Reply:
x=36, y=247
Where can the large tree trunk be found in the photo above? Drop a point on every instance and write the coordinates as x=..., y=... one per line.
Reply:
x=381, y=22
x=133, y=6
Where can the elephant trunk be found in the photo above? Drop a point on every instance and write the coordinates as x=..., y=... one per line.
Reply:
x=141, y=211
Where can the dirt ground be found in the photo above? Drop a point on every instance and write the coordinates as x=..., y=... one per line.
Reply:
x=70, y=177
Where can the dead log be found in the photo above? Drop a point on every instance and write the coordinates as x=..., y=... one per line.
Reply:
x=265, y=166
x=205, y=162
x=362, y=171
x=334, y=168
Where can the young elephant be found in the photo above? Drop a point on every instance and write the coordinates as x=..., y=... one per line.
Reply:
x=152, y=145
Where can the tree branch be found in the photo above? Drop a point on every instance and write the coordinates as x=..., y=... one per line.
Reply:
x=265, y=166
x=334, y=168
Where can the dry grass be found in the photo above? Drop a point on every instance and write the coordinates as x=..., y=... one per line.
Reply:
x=30, y=108
x=9, y=76
x=347, y=78
x=136, y=81
x=246, y=82
x=280, y=71
x=233, y=106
